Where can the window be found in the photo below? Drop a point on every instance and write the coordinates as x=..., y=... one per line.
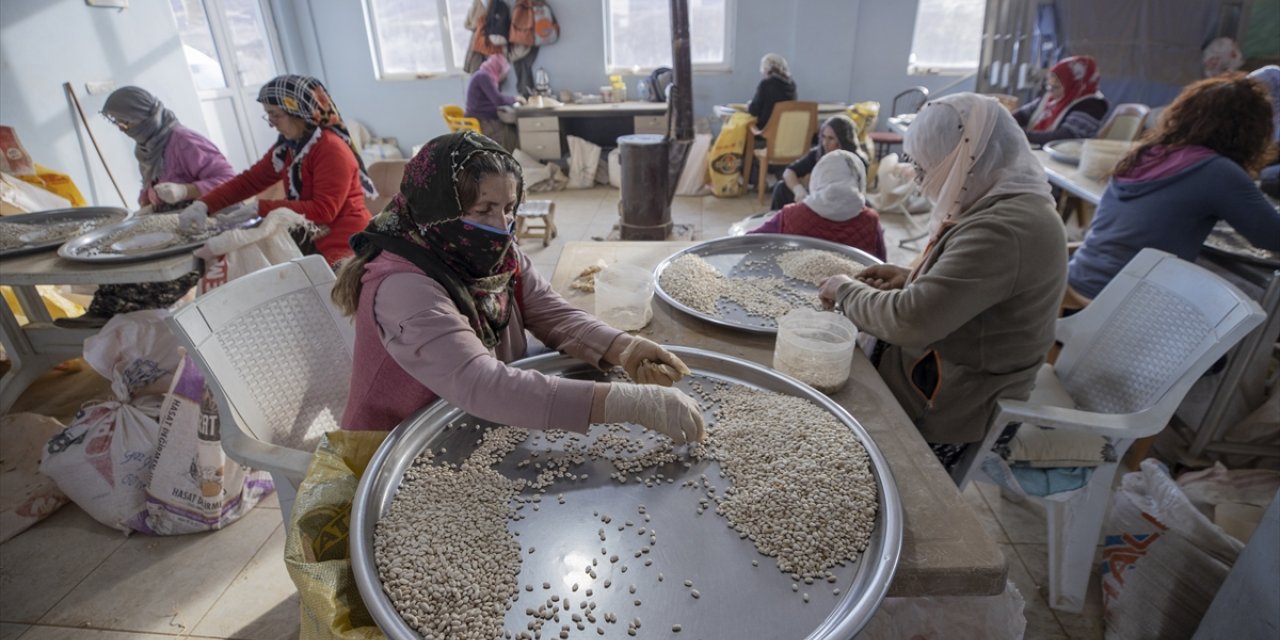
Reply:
x=417, y=38
x=632, y=28
x=948, y=37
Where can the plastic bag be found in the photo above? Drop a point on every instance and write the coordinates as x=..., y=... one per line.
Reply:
x=726, y=155
x=989, y=617
x=694, y=175
x=242, y=251
x=584, y=160
x=1163, y=561
x=897, y=191
x=316, y=549
x=194, y=487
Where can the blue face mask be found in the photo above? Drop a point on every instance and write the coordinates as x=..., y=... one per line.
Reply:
x=502, y=232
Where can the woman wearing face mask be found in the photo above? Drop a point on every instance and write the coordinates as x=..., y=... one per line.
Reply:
x=484, y=97
x=971, y=323
x=324, y=174
x=442, y=297
x=1071, y=106
x=838, y=132
x=836, y=209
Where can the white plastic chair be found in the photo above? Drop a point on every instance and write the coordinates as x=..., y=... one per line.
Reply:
x=1127, y=361
x=276, y=354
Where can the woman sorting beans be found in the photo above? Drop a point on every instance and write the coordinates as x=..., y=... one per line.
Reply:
x=442, y=297
x=971, y=323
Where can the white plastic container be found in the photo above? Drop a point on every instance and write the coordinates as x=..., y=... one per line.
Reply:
x=624, y=296
x=815, y=347
x=1098, y=158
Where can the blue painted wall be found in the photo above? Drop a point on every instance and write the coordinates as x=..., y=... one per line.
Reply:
x=44, y=43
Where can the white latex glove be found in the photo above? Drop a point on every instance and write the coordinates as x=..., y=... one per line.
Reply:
x=666, y=410
x=232, y=216
x=648, y=363
x=172, y=192
x=194, y=218
x=800, y=192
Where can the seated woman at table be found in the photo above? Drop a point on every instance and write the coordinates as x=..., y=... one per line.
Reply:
x=484, y=96
x=177, y=165
x=442, y=297
x=1071, y=106
x=971, y=323
x=325, y=176
x=835, y=209
x=776, y=86
x=838, y=132
x=1193, y=170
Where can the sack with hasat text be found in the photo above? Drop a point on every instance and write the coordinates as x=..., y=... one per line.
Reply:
x=242, y=251
x=103, y=460
x=194, y=486
x=726, y=156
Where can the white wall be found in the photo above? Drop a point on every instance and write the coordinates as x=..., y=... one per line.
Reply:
x=839, y=50
x=44, y=43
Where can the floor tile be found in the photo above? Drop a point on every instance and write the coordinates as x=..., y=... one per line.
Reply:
x=41, y=565
x=1041, y=623
x=1086, y=625
x=10, y=631
x=39, y=632
x=1023, y=522
x=262, y=602
x=983, y=511
x=166, y=584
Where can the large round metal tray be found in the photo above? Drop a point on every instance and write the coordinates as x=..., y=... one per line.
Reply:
x=1067, y=151
x=738, y=600
x=78, y=249
x=729, y=255
x=87, y=215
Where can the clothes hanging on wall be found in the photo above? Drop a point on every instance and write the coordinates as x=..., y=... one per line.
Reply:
x=524, y=71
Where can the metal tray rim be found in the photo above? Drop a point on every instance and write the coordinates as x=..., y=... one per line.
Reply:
x=371, y=496
x=59, y=215
x=1051, y=148
x=68, y=249
x=749, y=241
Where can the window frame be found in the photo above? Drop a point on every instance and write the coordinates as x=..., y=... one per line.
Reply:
x=724, y=66
x=951, y=70
x=453, y=68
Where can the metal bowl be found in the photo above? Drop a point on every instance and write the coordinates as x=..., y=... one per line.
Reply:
x=738, y=600
x=87, y=215
x=728, y=255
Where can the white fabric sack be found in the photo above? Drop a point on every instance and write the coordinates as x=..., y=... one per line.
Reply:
x=693, y=178
x=103, y=460
x=584, y=161
x=26, y=197
x=242, y=251
x=897, y=191
x=1163, y=560
x=535, y=172
x=194, y=486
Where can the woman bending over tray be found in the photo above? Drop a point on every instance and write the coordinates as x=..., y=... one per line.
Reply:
x=442, y=297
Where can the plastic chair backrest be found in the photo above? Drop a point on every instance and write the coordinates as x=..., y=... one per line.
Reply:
x=277, y=355
x=386, y=176
x=1155, y=328
x=456, y=119
x=912, y=99
x=1126, y=122
x=452, y=111
x=790, y=130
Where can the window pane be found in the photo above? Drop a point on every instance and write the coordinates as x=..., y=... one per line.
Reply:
x=197, y=44
x=458, y=29
x=248, y=33
x=633, y=24
x=408, y=33
x=948, y=34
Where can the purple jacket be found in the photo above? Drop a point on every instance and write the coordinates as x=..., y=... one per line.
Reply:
x=483, y=97
x=189, y=158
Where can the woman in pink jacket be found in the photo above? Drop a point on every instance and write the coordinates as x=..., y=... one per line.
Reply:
x=442, y=297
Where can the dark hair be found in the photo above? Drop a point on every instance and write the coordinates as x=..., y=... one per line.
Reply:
x=346, y=291
x=1230, y=114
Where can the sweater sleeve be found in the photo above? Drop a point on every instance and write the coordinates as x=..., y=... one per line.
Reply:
x=1082, y=121
x=201, y=163
x=558, y=324
x=246, y=185
x=804, y=166
x=332, y=166
x=1245, y=208
x=425, y=334
x=976, y=270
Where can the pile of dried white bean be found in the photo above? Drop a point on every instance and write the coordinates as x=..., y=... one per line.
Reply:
x=816, y=265
x=16, y=235
x=696, y=283
x=151, y=223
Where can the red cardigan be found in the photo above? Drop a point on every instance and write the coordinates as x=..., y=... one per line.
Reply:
x=331, y=193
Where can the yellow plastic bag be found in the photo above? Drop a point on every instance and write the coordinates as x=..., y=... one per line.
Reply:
x=726, y=158
x=58, y=305
x=56, y=182
x=316, y=550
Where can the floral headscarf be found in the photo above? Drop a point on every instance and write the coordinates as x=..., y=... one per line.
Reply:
x=1079, y=78
x=150, y=122
x=423, y=224
x=306, y=98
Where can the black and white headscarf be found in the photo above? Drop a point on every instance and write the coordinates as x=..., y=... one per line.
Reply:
x=306, y=98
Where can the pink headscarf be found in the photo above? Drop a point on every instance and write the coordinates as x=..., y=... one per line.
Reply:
x=496, y=66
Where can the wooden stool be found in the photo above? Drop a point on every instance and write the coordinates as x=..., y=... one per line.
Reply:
x=536, y=219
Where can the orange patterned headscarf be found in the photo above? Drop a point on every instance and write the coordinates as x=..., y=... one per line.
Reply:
x=306, y=98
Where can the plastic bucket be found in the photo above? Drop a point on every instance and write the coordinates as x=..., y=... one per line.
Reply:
x=623, y=296
x=816, y=347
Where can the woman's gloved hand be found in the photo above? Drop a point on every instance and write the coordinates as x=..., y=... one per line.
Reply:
x=667, y=410
x=194, y=218
x=648, y=363
x=173, y=193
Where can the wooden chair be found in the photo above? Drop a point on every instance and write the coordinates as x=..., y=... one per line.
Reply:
x=788, y=136
x=456, y=119
x=536, y=219
x=1125, y=122
x=911, y=100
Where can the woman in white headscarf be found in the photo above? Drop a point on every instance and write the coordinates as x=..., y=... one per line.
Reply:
x=971, y=323
x=835, y=208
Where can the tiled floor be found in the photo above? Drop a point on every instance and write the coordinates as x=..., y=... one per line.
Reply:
x=72, y=578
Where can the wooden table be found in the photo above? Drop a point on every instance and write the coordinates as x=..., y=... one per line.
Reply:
x=35, y=347
x=543, y=130
x=945, y=550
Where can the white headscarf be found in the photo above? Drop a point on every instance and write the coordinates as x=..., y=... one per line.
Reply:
x=836, y=185
x=970, y=147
